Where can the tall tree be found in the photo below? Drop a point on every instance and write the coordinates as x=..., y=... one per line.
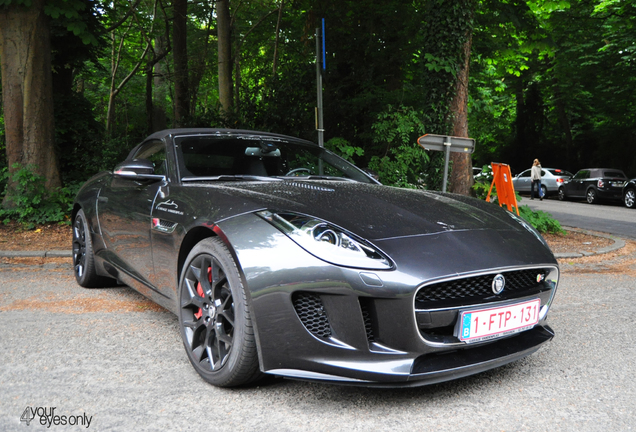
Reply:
x=224, y=35
x=180, y=58
x=27, y=93
x=461, y=177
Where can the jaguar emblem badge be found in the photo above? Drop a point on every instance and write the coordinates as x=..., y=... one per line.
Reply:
x=498, y=284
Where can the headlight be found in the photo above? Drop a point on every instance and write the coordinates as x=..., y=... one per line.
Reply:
x=529, y=227
x=328, y=242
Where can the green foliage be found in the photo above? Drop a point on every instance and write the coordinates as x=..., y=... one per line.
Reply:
x=542, y=221
x=553, y=80
x=344, y=149
x=483, y=182
x=404, y=163
x=31, y=203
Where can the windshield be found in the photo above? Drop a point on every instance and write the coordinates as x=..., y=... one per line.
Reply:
x=253, y=157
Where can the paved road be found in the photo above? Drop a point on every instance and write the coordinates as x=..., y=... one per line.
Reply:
x=112, y=357
x=609, y=218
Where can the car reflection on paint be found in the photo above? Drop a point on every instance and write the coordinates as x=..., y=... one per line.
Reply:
x=281, y=258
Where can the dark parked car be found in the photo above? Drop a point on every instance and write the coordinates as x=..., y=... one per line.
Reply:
x=629, y=193
x=594, y=184
x=281, y=258
x=551, y=180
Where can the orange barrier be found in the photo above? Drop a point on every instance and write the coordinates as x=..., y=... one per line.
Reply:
x=502, y=178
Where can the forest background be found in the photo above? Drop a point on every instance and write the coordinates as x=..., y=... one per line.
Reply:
x=84, y=81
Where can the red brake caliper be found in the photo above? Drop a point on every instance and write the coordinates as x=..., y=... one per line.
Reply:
x=198, y=314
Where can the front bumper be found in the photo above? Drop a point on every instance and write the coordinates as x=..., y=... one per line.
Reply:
x=434, y=368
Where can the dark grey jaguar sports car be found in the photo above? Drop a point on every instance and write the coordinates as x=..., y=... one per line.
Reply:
x=281, y=258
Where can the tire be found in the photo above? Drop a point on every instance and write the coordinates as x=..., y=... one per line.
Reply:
x=590, y=196
x=83, y=256
x=630, y=198
x=214, y=317
x=562, y=196
x=544, y=191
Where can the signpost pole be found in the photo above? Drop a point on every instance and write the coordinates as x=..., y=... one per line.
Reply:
x=319, y=119
x=447, y=147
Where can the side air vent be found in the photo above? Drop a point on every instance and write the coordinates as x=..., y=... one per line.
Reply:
x=312, y=314
x=365, y=307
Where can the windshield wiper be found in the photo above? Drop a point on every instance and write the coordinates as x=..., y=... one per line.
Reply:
x=227, y=177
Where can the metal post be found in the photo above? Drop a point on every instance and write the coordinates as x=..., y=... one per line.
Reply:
x=447, y=146
x=320, y=128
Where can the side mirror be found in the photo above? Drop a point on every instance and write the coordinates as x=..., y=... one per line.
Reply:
x=137, y=169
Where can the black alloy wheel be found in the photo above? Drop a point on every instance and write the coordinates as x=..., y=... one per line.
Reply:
x=214, y=318
x=590, y=196
x=83, y=256
x=562, y=196
x=630, y=198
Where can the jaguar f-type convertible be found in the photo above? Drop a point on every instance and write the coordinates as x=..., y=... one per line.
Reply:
x=281, y=258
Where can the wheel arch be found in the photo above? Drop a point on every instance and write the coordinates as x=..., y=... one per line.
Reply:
x=192, y=237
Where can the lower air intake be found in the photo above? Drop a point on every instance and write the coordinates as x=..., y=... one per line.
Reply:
x=312, y=314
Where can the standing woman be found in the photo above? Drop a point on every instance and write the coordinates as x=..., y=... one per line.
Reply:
x=535, y=175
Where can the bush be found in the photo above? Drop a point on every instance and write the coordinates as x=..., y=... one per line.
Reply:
x=31, y=204
x=542, y=221
x=404, y=163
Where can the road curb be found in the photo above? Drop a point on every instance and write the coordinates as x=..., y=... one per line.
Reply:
x=618, y=243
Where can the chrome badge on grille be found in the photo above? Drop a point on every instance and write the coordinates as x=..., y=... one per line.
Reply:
x=498, y=284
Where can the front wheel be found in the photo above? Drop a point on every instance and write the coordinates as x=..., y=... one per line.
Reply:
x=214, y=317
x=562, y=196
x=630, y=198
x=590, y=196
x=544, y=192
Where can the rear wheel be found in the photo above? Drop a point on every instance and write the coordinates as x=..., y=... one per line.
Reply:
x=214, y=317
x=83, y=256
x=630, y=198
x=590, y=196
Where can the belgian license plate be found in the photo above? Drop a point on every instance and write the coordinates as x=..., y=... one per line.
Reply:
x=483, y=324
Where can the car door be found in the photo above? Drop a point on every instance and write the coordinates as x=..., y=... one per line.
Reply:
x=125, y=208
x=523, y=182
x=576, y=187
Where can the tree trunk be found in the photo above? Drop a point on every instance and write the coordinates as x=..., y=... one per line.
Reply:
x=461, y=179
x=180, y=56
x=223, y=25
x=27, y=91
x=280, y=15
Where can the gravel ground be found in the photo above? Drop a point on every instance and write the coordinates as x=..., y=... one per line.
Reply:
x=111, y=356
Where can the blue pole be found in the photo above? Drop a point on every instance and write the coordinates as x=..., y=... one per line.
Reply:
x=324, y=50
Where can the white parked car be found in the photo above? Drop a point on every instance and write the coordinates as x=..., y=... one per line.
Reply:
x=551, y=180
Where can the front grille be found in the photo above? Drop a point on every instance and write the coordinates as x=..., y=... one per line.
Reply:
x=479, y=288
x=312, y=314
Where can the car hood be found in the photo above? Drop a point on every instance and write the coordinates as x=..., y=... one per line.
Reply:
x=374, y=212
